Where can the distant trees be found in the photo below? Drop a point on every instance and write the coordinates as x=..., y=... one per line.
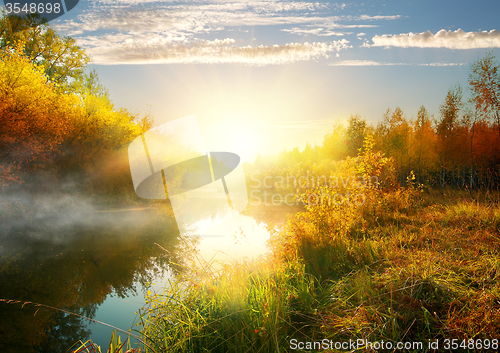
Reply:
x=450, y=135
x=334, y=145
x=459, y=148
x=392, y=136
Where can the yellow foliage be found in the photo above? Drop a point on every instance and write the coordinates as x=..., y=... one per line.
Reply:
x=43, y=127
x=35, y=118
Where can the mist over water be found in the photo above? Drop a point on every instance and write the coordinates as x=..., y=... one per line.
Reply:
x=62, y=250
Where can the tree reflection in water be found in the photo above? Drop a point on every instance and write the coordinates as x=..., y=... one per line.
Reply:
x=75, y=266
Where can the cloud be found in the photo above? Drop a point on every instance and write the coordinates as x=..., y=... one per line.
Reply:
x=371, y=18
x=356, y=63
x=192, y=17
x=377, y=63
x=158, y=51
x=179, y=31
x=205, y=17
x=443, y=39
x=322, y=32
x=443, y=64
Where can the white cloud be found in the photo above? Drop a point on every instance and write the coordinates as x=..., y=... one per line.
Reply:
x=443, y=39
x=371, y=18
x=442, y=64
x=378, y=63
x=322, y=32
x=140, y=31
x=193, y=17
x=204, y=51
x=358, y=63
x=199, y=17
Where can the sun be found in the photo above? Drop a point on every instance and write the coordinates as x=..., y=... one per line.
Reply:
x=235, y=134
x=243, y=141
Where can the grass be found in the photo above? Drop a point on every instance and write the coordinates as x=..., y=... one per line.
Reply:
x=240, y=308
x=401, y=269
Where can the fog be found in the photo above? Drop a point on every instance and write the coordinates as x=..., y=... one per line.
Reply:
x=59, y=217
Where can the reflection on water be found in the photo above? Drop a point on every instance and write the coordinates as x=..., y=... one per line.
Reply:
x=240, y=237
x=75, y=268
x=97, y=265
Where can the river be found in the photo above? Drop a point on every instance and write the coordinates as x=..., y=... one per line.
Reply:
x=98, y=264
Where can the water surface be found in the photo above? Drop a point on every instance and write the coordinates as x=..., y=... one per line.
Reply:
x=98, y=264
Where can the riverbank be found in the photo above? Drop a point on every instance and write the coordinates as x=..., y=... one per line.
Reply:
x=402, y=269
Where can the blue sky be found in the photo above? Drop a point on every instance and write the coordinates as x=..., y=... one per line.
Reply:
x=262, y=76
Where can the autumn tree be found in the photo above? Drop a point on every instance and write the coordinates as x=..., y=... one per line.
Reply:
x=34, y=118
x=99, y=130
x=484, y=81
x=423, y=145
x=53, y=116
x=453, y=135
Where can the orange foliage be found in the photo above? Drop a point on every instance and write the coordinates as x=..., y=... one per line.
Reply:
x=34, y=117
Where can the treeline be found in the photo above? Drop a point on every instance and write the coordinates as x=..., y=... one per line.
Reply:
x=58, y=127
x=458, y=148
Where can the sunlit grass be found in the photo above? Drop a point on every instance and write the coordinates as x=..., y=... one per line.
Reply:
x=240, y=308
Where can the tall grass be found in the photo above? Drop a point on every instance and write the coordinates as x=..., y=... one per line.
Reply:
x=243, y=307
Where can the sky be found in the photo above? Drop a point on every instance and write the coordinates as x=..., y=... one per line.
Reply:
x=263, y=76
